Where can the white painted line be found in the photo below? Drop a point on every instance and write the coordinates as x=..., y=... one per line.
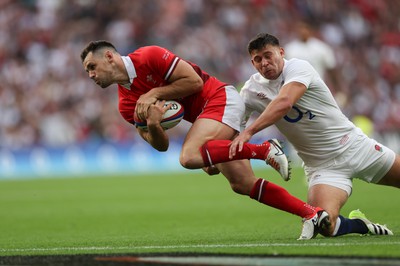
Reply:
x=211, y=246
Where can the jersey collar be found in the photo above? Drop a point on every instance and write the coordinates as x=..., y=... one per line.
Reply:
x=130, y=68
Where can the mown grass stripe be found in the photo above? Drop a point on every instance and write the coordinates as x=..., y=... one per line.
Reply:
x=302, y=244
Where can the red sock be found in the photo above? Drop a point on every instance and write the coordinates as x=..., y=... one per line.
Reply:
x=279, y=198
x=217, y=151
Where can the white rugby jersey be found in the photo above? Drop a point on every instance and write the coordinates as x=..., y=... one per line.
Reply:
x=315, y=125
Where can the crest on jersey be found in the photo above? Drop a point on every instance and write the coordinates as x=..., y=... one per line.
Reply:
x=149, y=78
x=378, y=148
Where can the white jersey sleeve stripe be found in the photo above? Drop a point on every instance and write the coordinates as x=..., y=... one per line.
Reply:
x=172, y=67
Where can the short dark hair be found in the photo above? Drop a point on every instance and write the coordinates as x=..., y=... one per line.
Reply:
x=261, y=40
x=95, y=46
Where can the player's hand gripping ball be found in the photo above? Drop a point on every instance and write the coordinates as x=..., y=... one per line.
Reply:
x=171, y=117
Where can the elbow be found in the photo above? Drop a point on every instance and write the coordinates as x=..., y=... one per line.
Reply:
x=288, y=107
x=286, y=104
x=198, y=84
x=162, y=148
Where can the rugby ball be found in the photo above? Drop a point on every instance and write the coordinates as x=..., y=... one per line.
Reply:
x=171, y=117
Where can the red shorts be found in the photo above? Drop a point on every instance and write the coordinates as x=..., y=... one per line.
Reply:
x=226, y=106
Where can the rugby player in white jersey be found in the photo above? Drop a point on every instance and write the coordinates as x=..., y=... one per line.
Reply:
x=292, y=95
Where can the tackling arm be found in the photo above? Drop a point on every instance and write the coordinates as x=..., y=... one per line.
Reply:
x=279, y=107
x=276, y=109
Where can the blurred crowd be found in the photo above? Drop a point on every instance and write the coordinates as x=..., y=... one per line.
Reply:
x=46, y=97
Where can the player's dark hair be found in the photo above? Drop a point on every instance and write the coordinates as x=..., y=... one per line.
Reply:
x=261, y=40
x=95, y=46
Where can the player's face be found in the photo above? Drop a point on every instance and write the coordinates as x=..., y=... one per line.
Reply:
x=268, y=61
x=99, y=68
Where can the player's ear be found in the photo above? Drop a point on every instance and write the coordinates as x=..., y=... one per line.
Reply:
x=282, y=51
x=109, y=56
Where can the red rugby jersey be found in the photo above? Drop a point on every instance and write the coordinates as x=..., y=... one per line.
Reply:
x=154, y=65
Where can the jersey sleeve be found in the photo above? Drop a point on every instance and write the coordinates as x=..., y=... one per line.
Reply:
x=299, y=71
x=160, y=60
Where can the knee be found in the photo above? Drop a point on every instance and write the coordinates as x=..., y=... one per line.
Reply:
x=238, y=188
x=191, y=160
x=186, y=161
x=241, y=186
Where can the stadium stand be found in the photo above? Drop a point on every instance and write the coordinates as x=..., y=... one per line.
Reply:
x=46, y=99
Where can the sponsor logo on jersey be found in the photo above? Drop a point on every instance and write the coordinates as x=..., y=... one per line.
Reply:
x=378, y=148
x=262, y=95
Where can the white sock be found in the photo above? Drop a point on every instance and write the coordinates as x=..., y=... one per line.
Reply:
x=338, y=222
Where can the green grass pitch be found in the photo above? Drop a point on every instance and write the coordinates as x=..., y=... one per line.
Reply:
x=187, y=211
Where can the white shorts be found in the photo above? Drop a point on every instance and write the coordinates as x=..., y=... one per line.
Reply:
x=365, y=159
